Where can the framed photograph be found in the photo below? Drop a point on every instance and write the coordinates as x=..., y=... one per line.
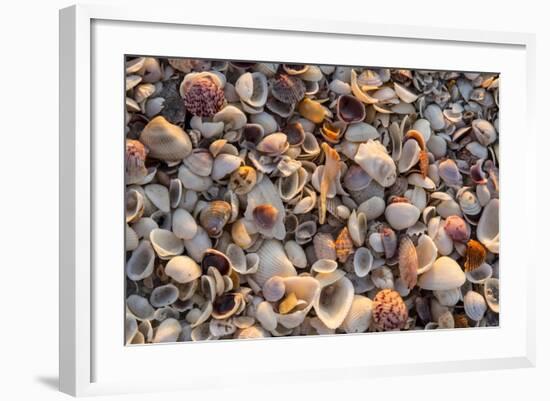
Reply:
x=347, y=198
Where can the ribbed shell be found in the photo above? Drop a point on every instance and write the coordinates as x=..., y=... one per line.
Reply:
x=408, y=262
x=165, y=141
x=359, y=316
x=287, y=89
x=324, y=245
x=273, y=262
x=343, y=245
x=475, y=255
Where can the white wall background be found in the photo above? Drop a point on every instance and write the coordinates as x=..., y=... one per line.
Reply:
x=29, y=199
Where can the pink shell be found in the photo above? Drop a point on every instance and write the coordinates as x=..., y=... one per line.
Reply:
x=203, y=98
x=457, y=228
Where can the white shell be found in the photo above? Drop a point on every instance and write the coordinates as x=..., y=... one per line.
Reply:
x=193, y=181
x=266, y=316
x=445, y=274
x=334, y=302
x=264, y=192
x=164, y=295
x=159, y=196
x=324, y=266
x=165, y=243
x=480, y=274
x=357, y=227
x=373, y=207
x=184, y=225
x=273, y=262
x=382, y=277
x=448, y=297
x=196, y=246
x=488, y=231
x=142, y=262
x=306, y=289
x=132, y=239
x=362, y=262
x=252, y=88
x=474, y=305
x=361, y=132
x=426, y=252
x=423, y=126
x=182, y=269
x=359, y=315
x=374, y=159
x=409, y=156
x=140, y=307
x=296, y=254
x=168, y=331
x=144, y=226
x=225, y=164
x=401, y=215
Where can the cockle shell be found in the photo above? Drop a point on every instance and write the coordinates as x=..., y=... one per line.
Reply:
x=165, y=243
x=408, y=262
x=227, y=305
x=401, y=215
x=468, y=202
x=445, y=274
x=182, y=269
x=334, y=301
x=214, y=217
x=349, y=109
x=475, y=255
x=359, y=315
x=165, y=141
x=389, y=312
x=200, y=162
x=273, y=262
x=488, y=227
x=288, y=89
x=374, y=159
x=474, y=305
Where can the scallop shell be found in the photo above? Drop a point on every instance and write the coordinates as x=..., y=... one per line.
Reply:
x=488, y=227
x=334, y=301
x=165, y=141
x=273, y=262
x=374, y=159
x=359, y=316
x=141, y=263
x=474, y=305
x=445, y=274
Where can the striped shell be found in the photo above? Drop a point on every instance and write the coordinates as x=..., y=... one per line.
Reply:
x=408, y=262
x=343, y=245
x=475, y=255
x=287, y=89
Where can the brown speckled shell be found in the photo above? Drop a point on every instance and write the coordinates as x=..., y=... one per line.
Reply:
x=389, y=311
x=203, y=98
x=408, y=262
x=343, y=245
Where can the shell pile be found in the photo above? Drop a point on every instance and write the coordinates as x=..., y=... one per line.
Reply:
x=267, y=200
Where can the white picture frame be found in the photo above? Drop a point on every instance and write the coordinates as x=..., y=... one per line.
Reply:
x=93, y=360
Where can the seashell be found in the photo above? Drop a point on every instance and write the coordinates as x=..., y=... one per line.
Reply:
x=359, y=315
x=288, y=89
x=131, y=239
x=484, y=131
x=457, y=228
x=232, y=117
x=401, y=215
x=437, y=146
x=361, y=132
x=159, y=196
x=281, y=109
x=266, y=316
x=252, y=88
x=339, y=87
x=288, y=304
x=445, y=274
x=134, y=161
x=225, y=164
x=382, y=277
x=488, y=227
x=175, y=192
x=448, y=172
x=356, y=179
x=226, y=305
x=434, y=115
x=448, y=208
x=404, y=93
x=389, y=312
x=274, y=289
x=252, y=134
x=216, y=259
x=214, y=217
x=410, y=155
x=140, y=307
x=349, y=109
x=208, y=129
x=252, y=332
x=334, y=301
x=196, y=246
x=423, y=126
x=448, y=297
x=165, y=243
x=343, y=245
x=182, y=269
x=165, y=141
x=480, y=274
x=221, y=328
x=134, y=206
x=183, y=224
x=374, y=159
x=164, y=295
x=168, y=331
x=264, y=192
x=237, y=258
x=446, y=321
x=266, y=120
x=141, y=262
x=426, y=252
x=324, y=266
x=273, y=262
x=408, y=262
x=389, y=241
x=468, y=202
x=483, y=194
x=478, y=175
x=362, y=262
x=199, y=162
x=295, y=254
x=193, y=181
x=305, y=289
x=265, y=216
x=491, y=293
x=436, y=230
x=361, y=93
x=325, y=247
x=475, y=255
x=295, y=69
x=416, y=179
x=332, y=131
x=474, y=305
x=243, y=180
x=312, y=110
x=372, y=208
x=273, y=144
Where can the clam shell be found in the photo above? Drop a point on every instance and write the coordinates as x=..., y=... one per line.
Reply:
x=488, y=232
x=196, y=246
x=410, y=155
x=130, y=328
x=141, y=262
x=274, y=289
x=434, y=115
x=164, y=295
x=491, y=293
x=159, y=196
x=266, y=120
x=131, y=239
x=183, y=224
x=165, y=243
x=182, y=269
x=401, y=215
x=325, y=247
x=135, y=205
x=359, y=315
x=448, y=297
x=468, y=202
x=140, y=307
x=266, y=316
x=200, y=162
x=306, y=289
x=232, y=117
x=480, y=274
x=224, y=165
x=357, y=227
x=252, y=88
x=264, y=192
x=426, y=252
x=168, y=331
x=474, y=305
x=362, y=262
x=374, y=159
x=372, y=208
x=445, y=274
x=382, y=277
x=165, y=141
x=273, y=262
x=324, y=266
x=295, y=254
x=214, y=217
x=484, y=131
x=334, y=302
x=193, y=181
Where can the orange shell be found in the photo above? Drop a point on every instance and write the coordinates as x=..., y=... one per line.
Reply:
x=417, y=136
x=344, y=245
x=475, y=255
x=424, y=163
x=461, y=321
